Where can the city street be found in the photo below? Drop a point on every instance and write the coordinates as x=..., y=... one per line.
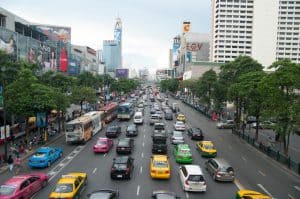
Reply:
x=253, y=169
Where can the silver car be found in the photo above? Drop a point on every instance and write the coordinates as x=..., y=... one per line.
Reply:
x=177, y=137
x=220, y=169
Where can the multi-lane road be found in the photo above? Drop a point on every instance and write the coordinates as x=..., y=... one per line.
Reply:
x=253, y=169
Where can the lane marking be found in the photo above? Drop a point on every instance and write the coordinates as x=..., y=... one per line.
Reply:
x=290, y=196
x=144, y=135
x=138, y=190
x=187, y=195
x=104, y=154
x=296, y=187
x=244, y=159
x=94, y=171
x=238, y=184
x=142, y=155
x=141, y=170
x=259, y=171
x=265, y=190
x=143, y=144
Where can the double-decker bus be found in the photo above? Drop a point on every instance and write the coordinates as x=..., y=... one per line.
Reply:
x=125, y=111
x=79, y=130
x=96, y=117
x=110, y=112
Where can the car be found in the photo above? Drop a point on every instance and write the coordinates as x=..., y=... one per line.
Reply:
x=23, y=186
x=162, y=194
x=154, y=118
x=69, y=186
x=192, y=178
x=104, y=194
x=159, y=145
x=195, y=133
x=131, y=130
x=227, y=124
x=159, y=113
x=103, y=145
x=220, y=169
x=179, y=126
x=207, y=148
x=177, y=137
x=183, y=154
x=249, y=194
x=180, y=117
x=168, y=116
x=152, y=111
x=125, y=146
x=45, y=157
x=264, y=125
x=138, y=118
x=160, y=167
x=113, y=131
x=122, y=167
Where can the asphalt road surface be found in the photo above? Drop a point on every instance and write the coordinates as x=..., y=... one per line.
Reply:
x=253, y=169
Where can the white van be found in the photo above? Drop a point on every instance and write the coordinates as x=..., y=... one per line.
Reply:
x=138, y=118
x=192, y=178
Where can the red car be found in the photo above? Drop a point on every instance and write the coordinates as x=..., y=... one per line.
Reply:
x=103, y=145
x=23, y=186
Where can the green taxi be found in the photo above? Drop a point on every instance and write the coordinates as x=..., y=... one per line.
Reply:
x=183, y=154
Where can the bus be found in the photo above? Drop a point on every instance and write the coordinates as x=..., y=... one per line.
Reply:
x=110, y=112
x=96, y=117
x=125, y=111
x=79, y=130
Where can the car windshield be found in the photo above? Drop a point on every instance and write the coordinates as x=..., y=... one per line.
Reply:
x=112, y=128
x=131, y=128
x=226, y=169
x=6, y=190
x=100, y=195
x=159, y=127
x=177, y=134
x=160, y=164
x=63, y=188
x=209, y=146
x=101, y=142
x=123, y=143
x=196, y=178
x=179, y=123
x=196, y=130
x=184, y=151
x=119, y=166
x=40, y=154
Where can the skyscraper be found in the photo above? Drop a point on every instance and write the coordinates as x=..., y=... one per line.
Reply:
x=266, y=30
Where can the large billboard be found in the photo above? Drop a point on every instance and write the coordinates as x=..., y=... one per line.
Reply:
x=55, y=33
x=194, y=46
x=122, y=73
x=176, y=46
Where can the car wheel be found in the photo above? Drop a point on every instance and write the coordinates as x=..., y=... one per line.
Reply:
x=49, y=164
x=45, y=183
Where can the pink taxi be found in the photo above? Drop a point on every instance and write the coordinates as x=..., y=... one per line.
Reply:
x=103, y=145
x=23, y=186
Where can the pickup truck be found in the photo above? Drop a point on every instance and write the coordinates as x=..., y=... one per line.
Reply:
x=159, y=139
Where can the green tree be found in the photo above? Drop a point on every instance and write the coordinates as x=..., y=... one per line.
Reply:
x=80, y=93
x=281, y=98
x=87, y=79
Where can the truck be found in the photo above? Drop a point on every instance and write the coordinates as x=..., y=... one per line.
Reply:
x=159, y=139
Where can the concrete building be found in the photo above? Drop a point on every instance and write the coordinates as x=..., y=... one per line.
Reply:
x=267, y=30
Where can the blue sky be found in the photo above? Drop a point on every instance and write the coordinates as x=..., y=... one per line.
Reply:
x=148, y=25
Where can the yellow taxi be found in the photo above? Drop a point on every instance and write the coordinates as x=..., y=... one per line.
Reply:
x=160, y=167
x=249, y=194
x=69, y=186
x=180, y=117
x=207, y=148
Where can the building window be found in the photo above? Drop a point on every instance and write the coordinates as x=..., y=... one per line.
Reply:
x=2, y=20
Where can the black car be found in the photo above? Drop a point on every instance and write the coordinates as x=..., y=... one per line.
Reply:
x=125, y=146
x=164, y=195
x=195, y=133
x=168, y=116
x=122, y=167
x=113, y=131
x=131, y=130
x=104, y=194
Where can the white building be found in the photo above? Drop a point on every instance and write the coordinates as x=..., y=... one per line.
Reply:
x=266, y=30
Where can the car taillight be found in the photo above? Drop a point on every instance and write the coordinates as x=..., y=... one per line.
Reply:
x=187, y=182
x=167, y=172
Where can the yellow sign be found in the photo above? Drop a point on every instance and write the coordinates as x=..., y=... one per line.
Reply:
x=186, y=27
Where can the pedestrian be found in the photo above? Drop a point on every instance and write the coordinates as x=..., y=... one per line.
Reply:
x=10, y=163
x=17, y=163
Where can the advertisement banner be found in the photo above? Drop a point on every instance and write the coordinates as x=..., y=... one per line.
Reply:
x=122, y=73
x=193, y=46
x=55, y=33
x=186, y=26
x=176, y=46
x=2, y=135
x=41, y=120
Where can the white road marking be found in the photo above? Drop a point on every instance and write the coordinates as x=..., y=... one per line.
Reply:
x=94, y=171
x=290, y=196
x=104, y=154
x=144, y=135
x=259, y=171
x=265, y=190
x=187, y=195
x=296, y=187
x=61, y=164
x=244, y=159
x=141, y=170
x=142, y=155
x=138, y=190
x=238, y=184
x=143, y=144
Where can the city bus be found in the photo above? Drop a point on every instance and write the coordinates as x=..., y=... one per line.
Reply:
x=125, y=111
x=96, y=117
x=79, y=130
x=110, y=112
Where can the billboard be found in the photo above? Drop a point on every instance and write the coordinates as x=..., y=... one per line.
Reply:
x=122, y=73
x=55, y=33
x=186, y=26
x=193, y=46
x=176, y=46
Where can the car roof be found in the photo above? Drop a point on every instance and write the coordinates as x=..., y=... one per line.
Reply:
x=103, y=138
x=160, y=157
x=44, y=149
x=180, y=115
x=222, y=162
x=193, y=169
x=16, y=180
x=177, y=132
x=207, y=142
x=183, y=146
x=179, y=122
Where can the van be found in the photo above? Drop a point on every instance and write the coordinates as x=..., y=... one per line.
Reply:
x=192, y=178
x=138, y=118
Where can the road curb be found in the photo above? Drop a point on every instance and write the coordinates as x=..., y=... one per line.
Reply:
x=4, y=168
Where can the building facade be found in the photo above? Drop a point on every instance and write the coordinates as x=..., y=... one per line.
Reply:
x=249, y=27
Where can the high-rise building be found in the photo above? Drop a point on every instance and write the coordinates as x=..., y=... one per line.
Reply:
x=266, y=30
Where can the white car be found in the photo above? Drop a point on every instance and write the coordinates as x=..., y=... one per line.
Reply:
x=177, y=137
x=192, y=178
x=179, y=126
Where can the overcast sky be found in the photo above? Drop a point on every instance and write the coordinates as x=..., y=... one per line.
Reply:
x=148, y=25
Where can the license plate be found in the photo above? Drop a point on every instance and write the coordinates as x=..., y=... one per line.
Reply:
x=159, y=150
x=119, y=176
x=122, y=148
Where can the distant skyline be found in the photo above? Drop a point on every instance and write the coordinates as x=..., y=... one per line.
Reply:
x=148, y=26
